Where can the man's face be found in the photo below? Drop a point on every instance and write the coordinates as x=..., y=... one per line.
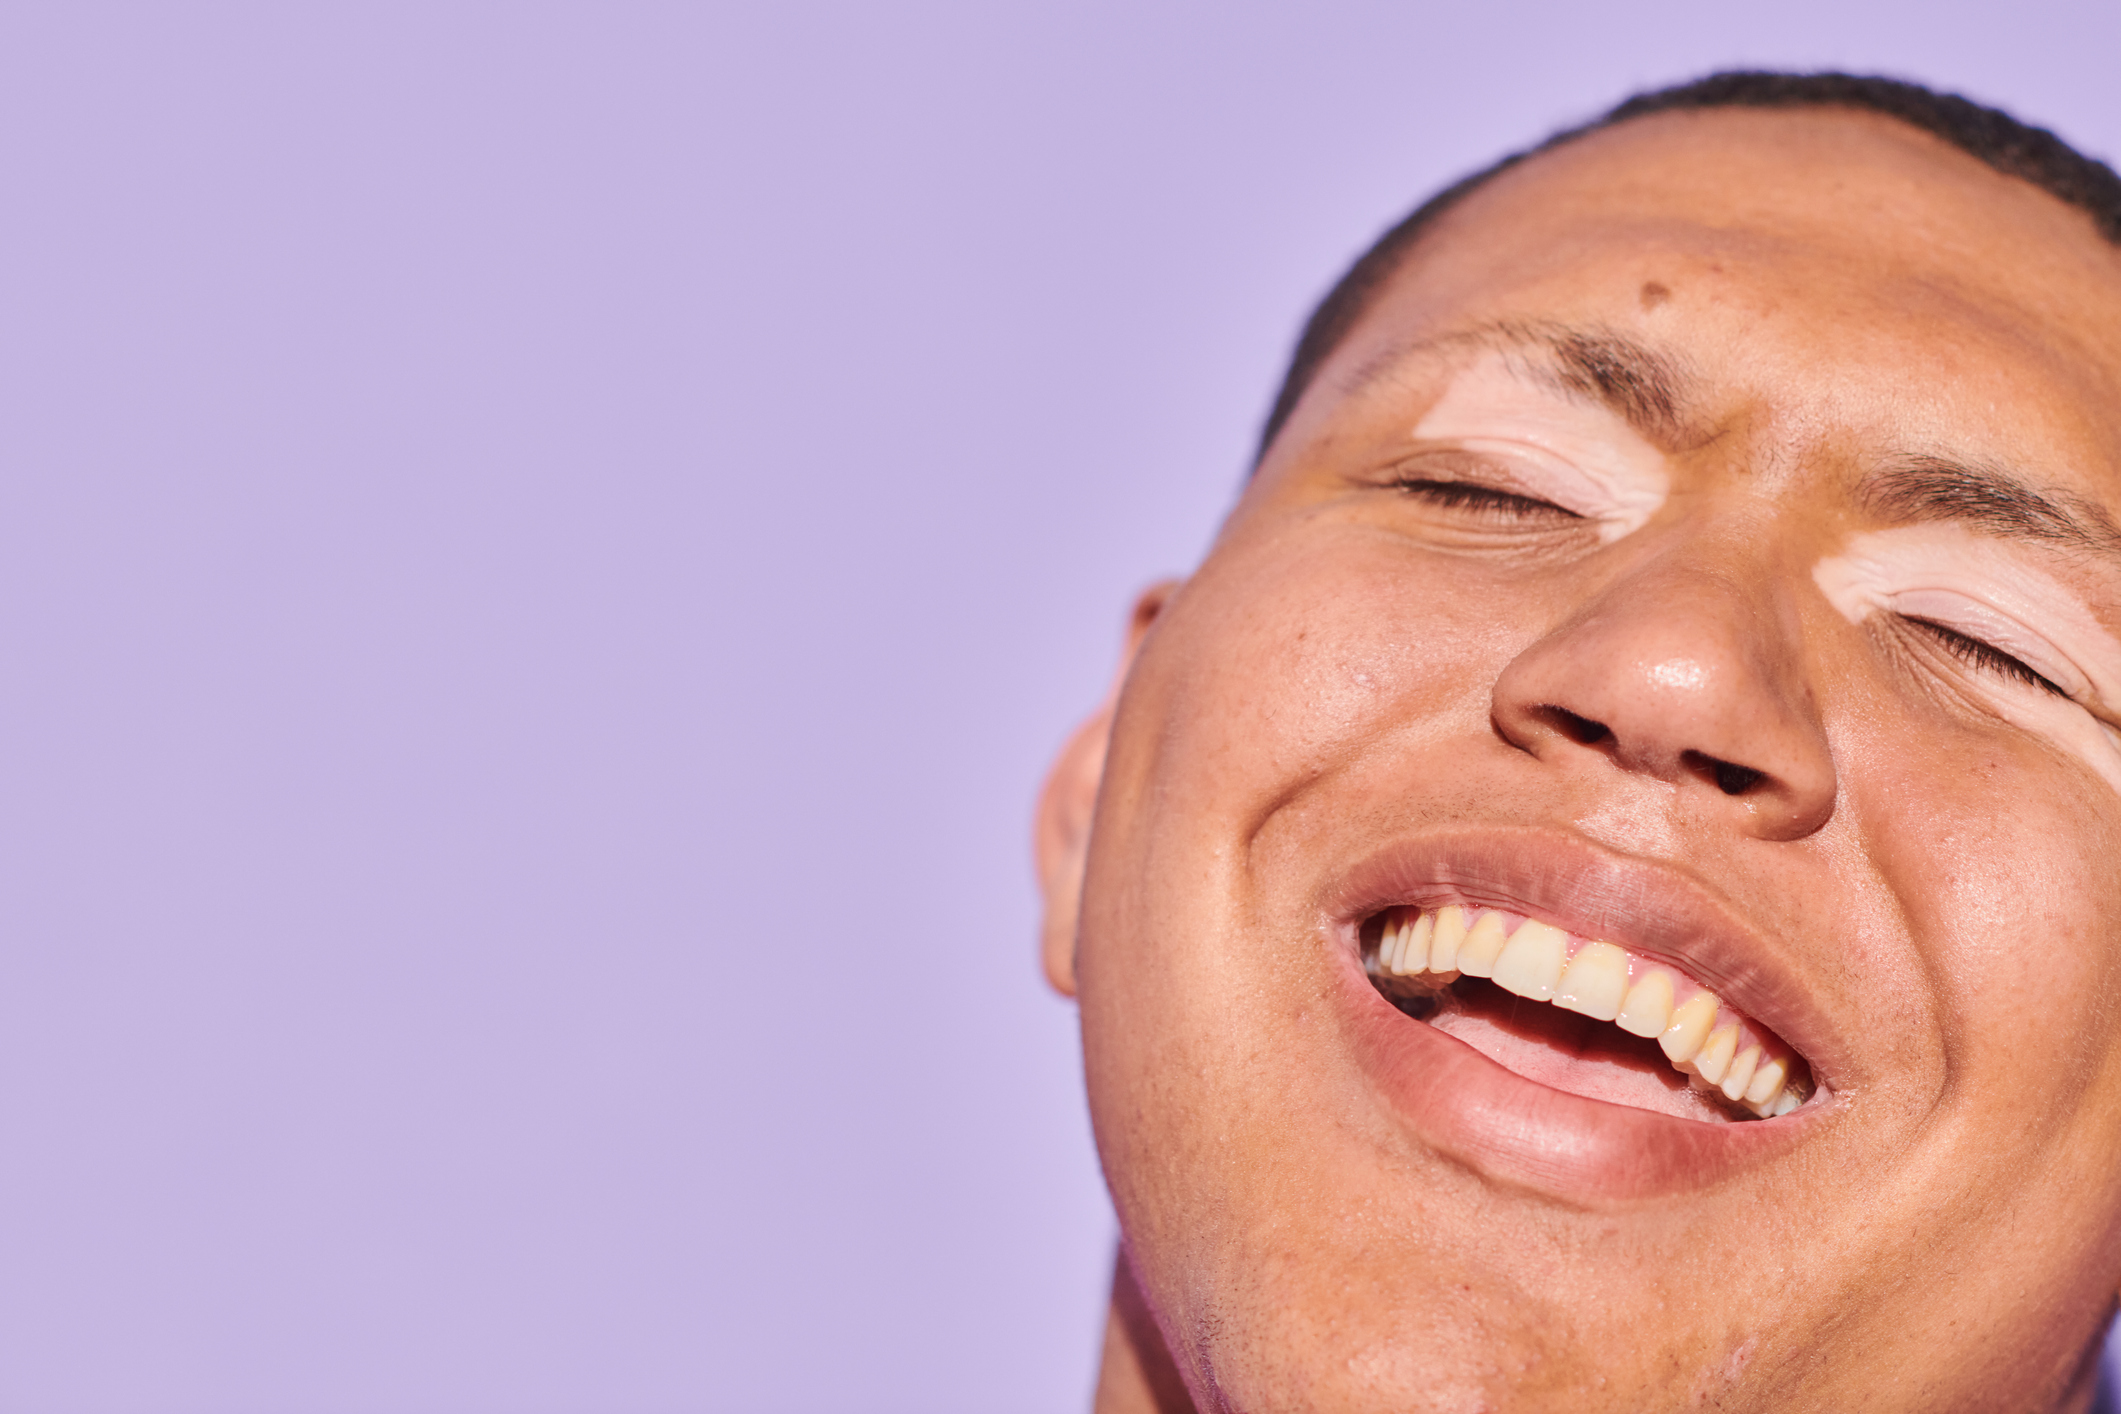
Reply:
x=1704, y=547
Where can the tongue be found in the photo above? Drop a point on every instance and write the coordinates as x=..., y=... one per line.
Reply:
x=1569, y=1052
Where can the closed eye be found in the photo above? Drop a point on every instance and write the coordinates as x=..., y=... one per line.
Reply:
x=1984, y=656
x=1471, y=495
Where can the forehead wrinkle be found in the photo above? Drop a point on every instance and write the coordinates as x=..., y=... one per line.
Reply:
x=1925, y=489
x=1582, y=363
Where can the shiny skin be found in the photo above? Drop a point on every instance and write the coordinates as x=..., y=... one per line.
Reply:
x=1354, y=667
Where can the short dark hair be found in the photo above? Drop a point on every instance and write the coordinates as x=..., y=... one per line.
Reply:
x=2013, y=148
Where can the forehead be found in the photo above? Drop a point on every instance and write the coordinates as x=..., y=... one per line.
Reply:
x=1818, y=269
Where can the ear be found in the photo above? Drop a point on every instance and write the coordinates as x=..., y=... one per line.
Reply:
x=1061, y=828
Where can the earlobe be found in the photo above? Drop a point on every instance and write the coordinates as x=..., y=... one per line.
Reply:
x=1061, y=829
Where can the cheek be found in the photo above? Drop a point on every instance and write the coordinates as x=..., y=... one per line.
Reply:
x=1317, y=648
x=2000, y=855
x=1274, y=668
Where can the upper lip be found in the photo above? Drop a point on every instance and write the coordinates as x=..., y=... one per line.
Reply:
x=1650, y=908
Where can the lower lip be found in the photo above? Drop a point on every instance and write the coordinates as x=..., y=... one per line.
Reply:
x=1519, y=1132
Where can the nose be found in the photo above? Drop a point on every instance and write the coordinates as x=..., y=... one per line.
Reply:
x=1688, y=676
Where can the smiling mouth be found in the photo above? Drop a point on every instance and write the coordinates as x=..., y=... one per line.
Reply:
x=1581, y=1015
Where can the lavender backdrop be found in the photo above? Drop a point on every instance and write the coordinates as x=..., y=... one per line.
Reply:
x=542, y=552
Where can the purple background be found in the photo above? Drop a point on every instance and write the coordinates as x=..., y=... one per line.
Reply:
x=542, y=553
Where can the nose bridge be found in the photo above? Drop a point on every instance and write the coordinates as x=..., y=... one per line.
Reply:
x=1688, y=668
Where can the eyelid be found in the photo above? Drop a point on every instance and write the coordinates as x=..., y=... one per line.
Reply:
x=1457, y=492
x=1886, y=569
x=1538, y=473
x=1970, y=584
x=1528, y=472
x=1998, y=630
x=1583, y=459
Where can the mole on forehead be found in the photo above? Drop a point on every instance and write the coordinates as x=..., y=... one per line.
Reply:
x=1641, y=385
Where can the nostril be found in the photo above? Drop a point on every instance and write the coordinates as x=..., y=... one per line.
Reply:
x=1730, y=777
x=1581, y=730
x=1735, y=780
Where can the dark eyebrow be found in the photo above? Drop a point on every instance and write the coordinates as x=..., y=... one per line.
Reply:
x=1635, y=382
x=1640, y=385
x=1927, y=488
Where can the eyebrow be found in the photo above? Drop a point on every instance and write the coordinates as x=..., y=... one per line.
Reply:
x=1639, y=384
x=1631, y=380
x=1926, y=489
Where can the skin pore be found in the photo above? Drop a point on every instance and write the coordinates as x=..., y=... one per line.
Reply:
x=1666, y=557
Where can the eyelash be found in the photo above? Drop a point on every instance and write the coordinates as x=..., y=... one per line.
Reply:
x=1983, y=655
x=1471, y=495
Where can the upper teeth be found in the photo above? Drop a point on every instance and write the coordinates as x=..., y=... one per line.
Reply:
x=1702, y=1037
